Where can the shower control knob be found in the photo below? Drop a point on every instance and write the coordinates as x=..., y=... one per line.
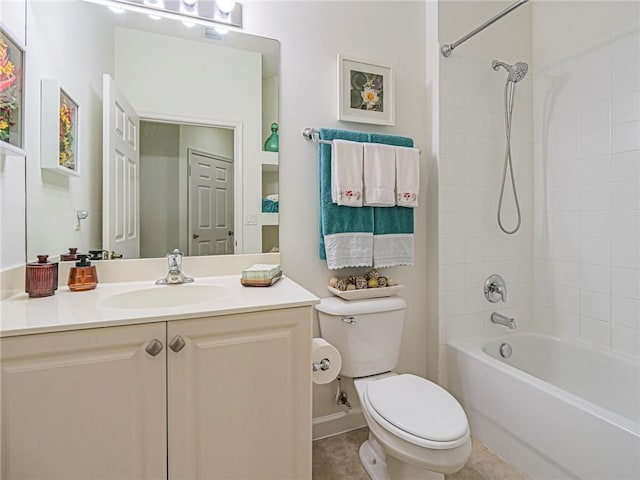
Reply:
x=495, y=289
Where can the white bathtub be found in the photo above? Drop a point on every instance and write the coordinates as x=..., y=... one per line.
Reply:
x=555, y=408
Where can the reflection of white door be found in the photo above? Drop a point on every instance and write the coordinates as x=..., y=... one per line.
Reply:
x=210, y=204
x=120, y=173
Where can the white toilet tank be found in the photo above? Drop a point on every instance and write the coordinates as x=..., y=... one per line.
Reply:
x=367, y=333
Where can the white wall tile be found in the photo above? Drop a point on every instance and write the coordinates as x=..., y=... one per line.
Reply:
x=625, y=340
x=626, y=311
x=595, y=170
x=625, y=253
x=595, y=331
x=625, y=282
x=566, y=324
x=596, y=251
x=626, y=79
x=595, y=224
x=595, y=115
x=626, y=195
x=625, y=166
x=595, y=278
x=625, y=137
x=625, y=50
x=596, y=142
x=625, y=108
x=596, y=197
x=595, y=305
x=626, y=224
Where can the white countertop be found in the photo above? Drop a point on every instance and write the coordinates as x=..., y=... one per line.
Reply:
x=66, y=310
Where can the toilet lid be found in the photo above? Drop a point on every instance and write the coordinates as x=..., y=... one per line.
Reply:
x=419, y=407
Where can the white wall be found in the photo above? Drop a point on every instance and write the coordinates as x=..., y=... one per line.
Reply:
x=151, y=66
x=587, y=168
x=12, y=167
x=54, y=52
x=312, y=34
x=471, y=160
x=159, y=205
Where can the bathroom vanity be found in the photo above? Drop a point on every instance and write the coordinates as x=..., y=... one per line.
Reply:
x=111, y=384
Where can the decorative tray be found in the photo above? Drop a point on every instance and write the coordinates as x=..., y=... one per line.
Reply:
x=366, y=292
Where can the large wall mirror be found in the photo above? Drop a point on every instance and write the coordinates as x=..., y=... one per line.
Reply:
x=192, y=104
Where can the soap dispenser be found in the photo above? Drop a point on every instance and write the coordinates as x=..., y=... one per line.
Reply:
x=83, y=276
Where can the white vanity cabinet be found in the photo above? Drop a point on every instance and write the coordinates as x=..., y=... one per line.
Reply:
x=227, y=396
x=84, y=404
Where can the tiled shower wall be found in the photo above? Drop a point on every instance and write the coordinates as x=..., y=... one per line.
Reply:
x=472, y=142
x=587, y=195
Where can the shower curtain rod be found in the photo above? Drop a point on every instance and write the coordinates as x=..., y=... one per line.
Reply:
x=447, y=49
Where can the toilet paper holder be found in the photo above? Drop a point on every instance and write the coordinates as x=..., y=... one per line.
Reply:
x=323, y=365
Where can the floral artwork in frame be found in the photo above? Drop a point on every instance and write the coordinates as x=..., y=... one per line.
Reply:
x=365, y=92
x=58, y=130
x=68, y=114
x=11, y=92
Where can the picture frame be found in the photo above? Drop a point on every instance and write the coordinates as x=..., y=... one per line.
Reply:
x=12, y=81
x=365, y=92
x=59, y=130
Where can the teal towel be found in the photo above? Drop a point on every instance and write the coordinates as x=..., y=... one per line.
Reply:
x=269, y=206
x=393, y=242
x=345, y=232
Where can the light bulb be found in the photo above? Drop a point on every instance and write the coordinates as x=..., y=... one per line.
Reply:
x=226, y=6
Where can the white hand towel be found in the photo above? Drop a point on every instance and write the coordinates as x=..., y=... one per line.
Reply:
x=346, y=173
x=379, y=175
x=407, y=176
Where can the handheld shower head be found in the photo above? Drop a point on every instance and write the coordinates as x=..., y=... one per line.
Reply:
x=516, y=72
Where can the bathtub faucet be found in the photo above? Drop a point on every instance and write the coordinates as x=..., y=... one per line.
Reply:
x=503, y=320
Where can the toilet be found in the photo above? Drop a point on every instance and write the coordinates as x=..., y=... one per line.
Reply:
x=417, y=430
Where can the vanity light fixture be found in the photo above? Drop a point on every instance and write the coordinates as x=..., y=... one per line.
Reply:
x=222, y=13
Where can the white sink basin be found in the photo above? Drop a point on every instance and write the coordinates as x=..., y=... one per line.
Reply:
x=166, y=296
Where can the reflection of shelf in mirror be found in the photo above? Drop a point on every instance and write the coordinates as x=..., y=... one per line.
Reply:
x=269, y=158
x=269, y=218
x=11, y=150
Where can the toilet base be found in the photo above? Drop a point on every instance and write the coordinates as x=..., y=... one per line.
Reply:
x=374, y=461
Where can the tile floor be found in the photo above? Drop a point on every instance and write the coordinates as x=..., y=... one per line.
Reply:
x=336, y=458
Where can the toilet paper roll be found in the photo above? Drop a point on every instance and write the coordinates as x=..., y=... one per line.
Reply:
x=320, y=350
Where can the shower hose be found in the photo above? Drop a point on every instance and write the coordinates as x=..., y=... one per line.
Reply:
x=508, y=114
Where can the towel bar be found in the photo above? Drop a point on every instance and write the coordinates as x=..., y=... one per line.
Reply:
x=312, y=135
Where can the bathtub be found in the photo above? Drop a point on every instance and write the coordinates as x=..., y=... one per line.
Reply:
x=555, y=408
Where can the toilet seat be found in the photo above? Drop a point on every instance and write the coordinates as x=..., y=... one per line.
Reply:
x=417, y=411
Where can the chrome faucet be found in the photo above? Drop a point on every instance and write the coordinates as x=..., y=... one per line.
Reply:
x=495, y=289
x=175, y=275
x=503, y=320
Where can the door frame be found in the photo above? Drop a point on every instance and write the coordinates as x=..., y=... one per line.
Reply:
x=183, y=173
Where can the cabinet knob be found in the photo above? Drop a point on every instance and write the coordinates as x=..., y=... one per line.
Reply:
x=154, y=347
x=177, y=343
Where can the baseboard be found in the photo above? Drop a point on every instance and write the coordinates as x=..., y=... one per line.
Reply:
x=336, y=423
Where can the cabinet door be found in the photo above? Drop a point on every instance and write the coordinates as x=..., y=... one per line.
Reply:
x=84, y=404
x=240, y=396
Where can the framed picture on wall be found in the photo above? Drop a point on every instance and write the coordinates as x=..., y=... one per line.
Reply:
x=365, y=92
x=11, y=93
x=58, y=130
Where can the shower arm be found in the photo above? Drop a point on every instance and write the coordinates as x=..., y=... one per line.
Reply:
x=447, y=49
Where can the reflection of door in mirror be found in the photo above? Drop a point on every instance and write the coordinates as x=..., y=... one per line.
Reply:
x=120, y=173
x=210, y=204
x=186, y=172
